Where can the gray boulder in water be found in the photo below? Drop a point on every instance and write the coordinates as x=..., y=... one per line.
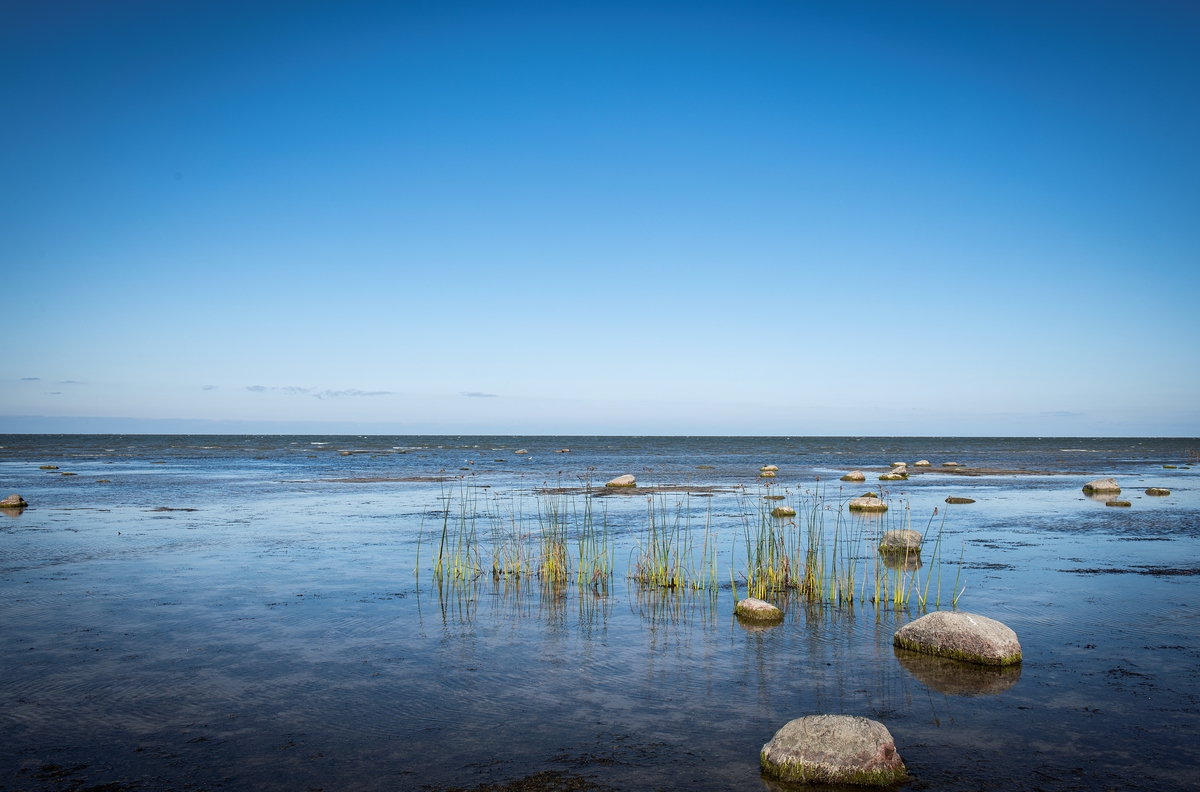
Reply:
x=13, y=501
x=757, y=610
x=854, y=475
x=833, y=749
x=623, y=481
x=1102, y=485
x=962, y=636
x=867, y=503
x=900, y=541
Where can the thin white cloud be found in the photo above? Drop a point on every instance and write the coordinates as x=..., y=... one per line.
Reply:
x=296, y=390
x=480, y=395
x=208, y=387
x=31, y=379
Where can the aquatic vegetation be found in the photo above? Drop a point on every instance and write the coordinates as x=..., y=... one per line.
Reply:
x=668, y=557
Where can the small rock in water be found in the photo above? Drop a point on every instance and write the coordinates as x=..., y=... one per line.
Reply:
x=783, y=511
x=103, y=481
x=854, y=475
x=66, y=473
x=771, y=468
x=895, y=474
x=1170, y=467
x=1119, y=503
x=833, y=749
x=962, y=636
x=563, y=451
x=757, y=610
x=921, y=463
x=13, y=501
x=1102, y=485
x=767, y=474
x=867, y=503
x=520, y=451
x=772, y=497
x=1158, y=491
x=900, y=541
x=623, y=481
x=705, y=467
x=48, y=467
x=899, y=464
x=959, y=500
x=949, y=464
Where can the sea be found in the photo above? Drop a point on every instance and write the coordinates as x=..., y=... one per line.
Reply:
x=265, y=612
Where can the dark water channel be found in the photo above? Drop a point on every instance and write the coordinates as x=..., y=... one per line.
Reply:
x=242, y=613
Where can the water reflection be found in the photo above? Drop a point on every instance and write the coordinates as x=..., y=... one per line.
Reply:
x=909, y=562
x=13, y=513
x=956, y=678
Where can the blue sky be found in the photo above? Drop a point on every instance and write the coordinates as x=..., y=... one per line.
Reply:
x=698, y=218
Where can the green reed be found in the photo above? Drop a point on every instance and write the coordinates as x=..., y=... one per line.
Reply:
x=667, y=557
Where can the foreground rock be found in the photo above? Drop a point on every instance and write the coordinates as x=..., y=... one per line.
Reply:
x=1158, y=491
x=13, y=501
x=783, y=511
x=956, y=678
x=757, y=610
x=1102, y=485
x=1118, y=503
x=867, y=503
x=833, y=749
x=900, y=541
x=959, y=500
x=921, y=463
x=623, y=481
x=961, y=636
x=854, y=475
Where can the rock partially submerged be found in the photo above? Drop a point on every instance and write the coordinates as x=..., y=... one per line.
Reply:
x=949, y=464
x=757, y=610
x=771, y=468
x=48, y=467
x=1158, y=491
x=783, y=511
x=867, y=503
x=900, y=541
x=563, y=451
x=1119, y=503
x=921, y=463
x=854, y=475
x=1102, y=485
x=961, y=636
x=623, y=481
x=953, y=499
x=895, y=474
x=520, y=451
x=13, y=501
x=833, y=749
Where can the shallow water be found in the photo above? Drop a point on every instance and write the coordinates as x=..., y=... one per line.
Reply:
x=276, y=637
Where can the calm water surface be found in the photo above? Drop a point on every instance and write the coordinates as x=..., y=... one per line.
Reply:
x=277, y=638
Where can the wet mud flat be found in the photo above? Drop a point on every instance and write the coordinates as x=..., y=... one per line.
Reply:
x=276, y=637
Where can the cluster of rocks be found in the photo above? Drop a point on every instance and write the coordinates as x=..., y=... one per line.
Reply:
x=768, y=471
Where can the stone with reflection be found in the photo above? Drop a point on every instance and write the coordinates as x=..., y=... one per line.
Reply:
x=956, y=678
x=900, y=541
x=756, y=610
x=854, y=475
x=623, y=481
x=833, y=749
x=961, y=636
x=1102, y=485
x=867, y=503
x=13, y=501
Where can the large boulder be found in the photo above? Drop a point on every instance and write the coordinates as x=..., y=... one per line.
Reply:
x=1102, y=485
x=623, y=481
x=833, y=749
x=13, y=501
x=961, y=636
x=867, y=503
x=900, y=541
x=757, y=610
x=854, y=475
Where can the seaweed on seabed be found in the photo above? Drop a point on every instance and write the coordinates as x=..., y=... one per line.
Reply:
x=545, y=781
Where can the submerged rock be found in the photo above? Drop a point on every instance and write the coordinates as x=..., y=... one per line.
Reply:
x=961, y=636
x=959, y=500
x=900, y=541
x=833, y=749
x=757, y=610
x=854, y=475
x=1119, y=503
x=623, y=481
x=956, y=678
x=1102, y=485
x=13, y=501
x=1170, y=467
x=1158, y=491
x=783, y=511
x=48, y=467
x=921, y=463
x=867, y=503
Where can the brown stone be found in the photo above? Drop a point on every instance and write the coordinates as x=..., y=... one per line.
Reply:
x=833, y=749
x=13, y=501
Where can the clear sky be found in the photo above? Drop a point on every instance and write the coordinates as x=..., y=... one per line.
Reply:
x=653, y=218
